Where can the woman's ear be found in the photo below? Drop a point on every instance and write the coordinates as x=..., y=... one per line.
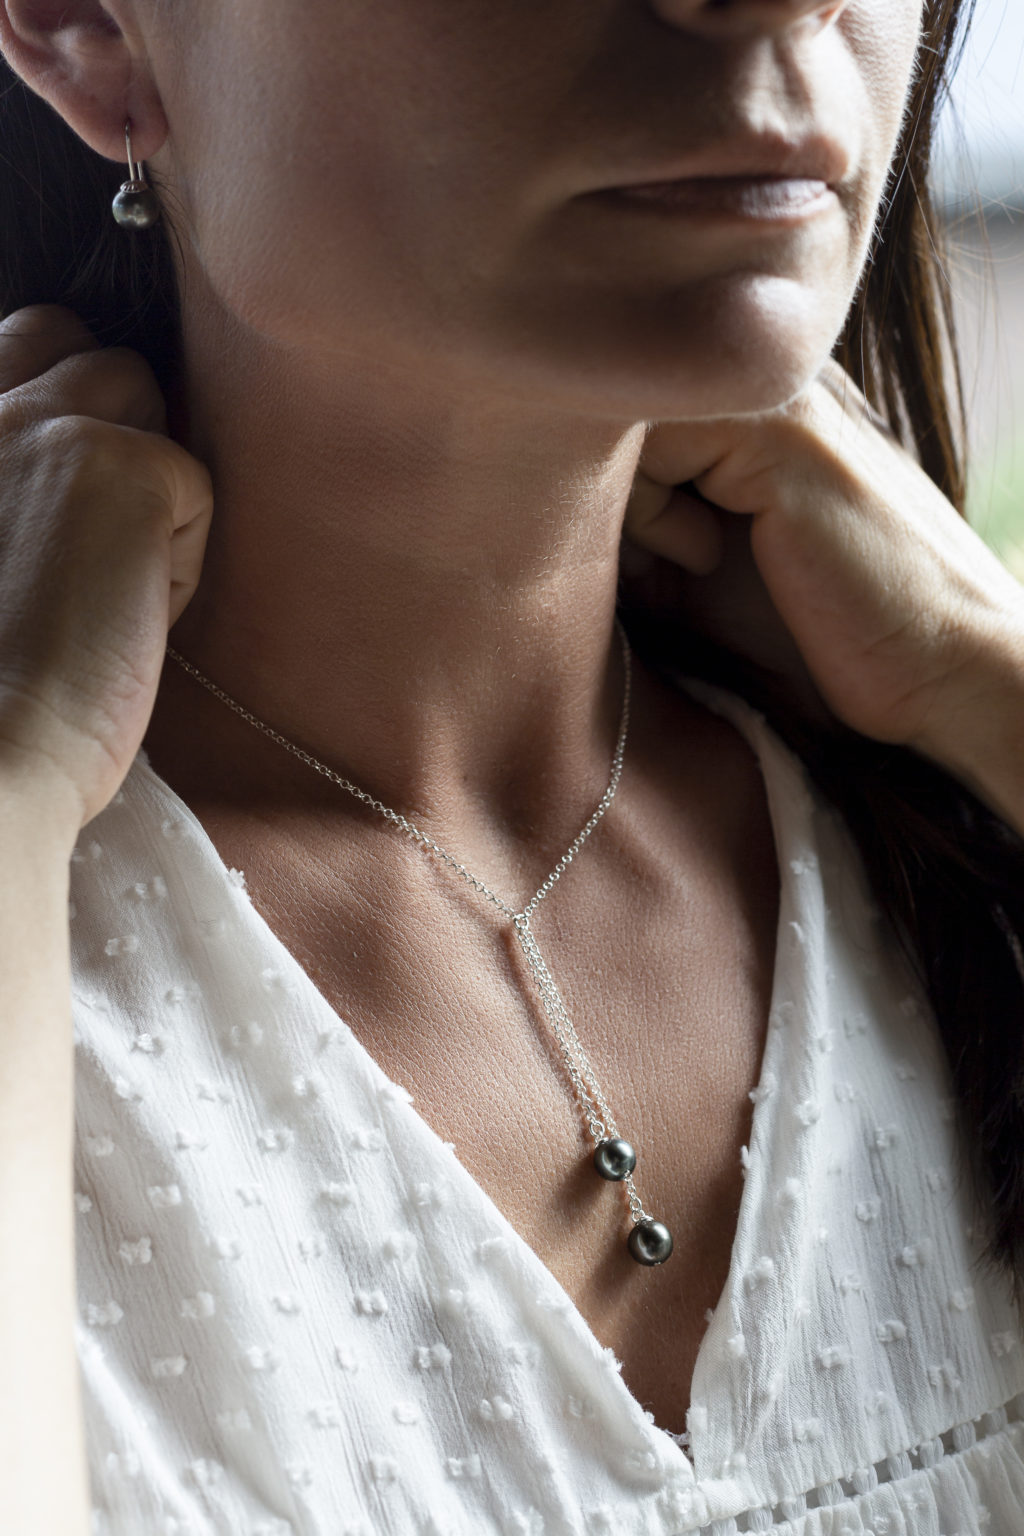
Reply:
x=87, y=59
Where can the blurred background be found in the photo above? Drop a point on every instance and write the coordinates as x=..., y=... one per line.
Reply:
x=981, y=153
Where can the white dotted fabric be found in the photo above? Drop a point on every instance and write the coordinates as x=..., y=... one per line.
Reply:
x=300, y=1314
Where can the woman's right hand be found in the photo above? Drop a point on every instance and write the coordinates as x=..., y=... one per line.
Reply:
x=103, y=526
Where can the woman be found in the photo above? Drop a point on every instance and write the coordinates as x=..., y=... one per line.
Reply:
x=343, y=1260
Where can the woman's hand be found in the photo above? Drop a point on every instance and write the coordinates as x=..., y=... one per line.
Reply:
x=910, y=628
x=102, y=533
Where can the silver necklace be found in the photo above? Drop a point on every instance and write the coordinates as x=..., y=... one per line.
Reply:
x=650, y=1241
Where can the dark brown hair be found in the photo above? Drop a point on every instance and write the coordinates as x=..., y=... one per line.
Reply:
x=947, y=873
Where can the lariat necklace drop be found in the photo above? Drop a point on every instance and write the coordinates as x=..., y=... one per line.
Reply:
x=650, y=1241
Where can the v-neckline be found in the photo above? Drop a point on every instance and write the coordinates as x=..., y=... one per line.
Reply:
x=695, y=1466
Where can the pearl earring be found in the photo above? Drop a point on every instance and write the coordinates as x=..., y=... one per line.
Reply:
x=135, y=206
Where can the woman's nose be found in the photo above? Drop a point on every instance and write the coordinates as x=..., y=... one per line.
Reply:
x=734, y=18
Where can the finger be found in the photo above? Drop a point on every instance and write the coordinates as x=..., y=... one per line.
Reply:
x=111, y=384
x=677, y=524
x=188, y=547
x=189, y=492
x=675, y=452
x=158, y=467
x=165, y=477
x=34, y=339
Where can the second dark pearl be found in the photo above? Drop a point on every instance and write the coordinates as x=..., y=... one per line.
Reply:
x=650, y=1242
x=614, y=1158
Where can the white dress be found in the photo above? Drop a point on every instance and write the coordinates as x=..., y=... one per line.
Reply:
x=301, y=1316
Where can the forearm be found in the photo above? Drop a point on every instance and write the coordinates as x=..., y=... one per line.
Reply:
x=43, y=1479
x=981, y=742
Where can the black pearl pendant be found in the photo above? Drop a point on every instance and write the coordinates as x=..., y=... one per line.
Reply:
x=650, y=1242
x=136, y=206
x=614, y=1158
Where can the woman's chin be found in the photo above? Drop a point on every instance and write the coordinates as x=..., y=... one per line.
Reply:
x=741, y=345
x=685, y=382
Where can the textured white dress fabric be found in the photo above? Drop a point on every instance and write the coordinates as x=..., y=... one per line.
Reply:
x=300, y=1315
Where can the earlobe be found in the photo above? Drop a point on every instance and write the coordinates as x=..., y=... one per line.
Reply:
x=87, y=61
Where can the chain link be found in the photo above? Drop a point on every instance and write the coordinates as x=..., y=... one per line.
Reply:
x=600, y=1120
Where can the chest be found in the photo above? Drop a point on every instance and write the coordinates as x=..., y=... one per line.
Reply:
x=669, y=993
x=662, y=944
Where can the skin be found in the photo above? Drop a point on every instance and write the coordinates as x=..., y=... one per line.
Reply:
x=423, y=395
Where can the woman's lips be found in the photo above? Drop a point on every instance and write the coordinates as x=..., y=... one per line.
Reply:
x=746, y=197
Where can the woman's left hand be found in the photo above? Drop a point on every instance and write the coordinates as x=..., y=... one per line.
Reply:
x=910, y=627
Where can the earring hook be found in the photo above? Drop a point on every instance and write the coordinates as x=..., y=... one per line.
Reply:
x=134, y=168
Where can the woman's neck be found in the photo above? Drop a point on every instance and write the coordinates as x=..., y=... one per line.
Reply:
x=414, y=579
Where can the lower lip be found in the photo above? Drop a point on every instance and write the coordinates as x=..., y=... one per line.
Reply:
x=773, y=199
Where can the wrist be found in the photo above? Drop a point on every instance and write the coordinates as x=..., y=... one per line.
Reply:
x=40, y=807
x=979, y=737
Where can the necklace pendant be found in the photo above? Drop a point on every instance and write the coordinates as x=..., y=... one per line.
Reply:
x=614, y=1158
x=650, y=1242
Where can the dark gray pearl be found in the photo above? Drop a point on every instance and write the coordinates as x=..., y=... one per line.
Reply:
x=614, y=1158
x=650, y=1242
x=136, y=207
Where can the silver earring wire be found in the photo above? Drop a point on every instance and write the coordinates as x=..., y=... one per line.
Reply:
x=134, y=168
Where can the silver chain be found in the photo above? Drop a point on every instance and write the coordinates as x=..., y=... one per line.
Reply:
x=592, y=1102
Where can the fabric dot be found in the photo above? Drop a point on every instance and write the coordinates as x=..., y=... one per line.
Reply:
x=262, y=1357
x=169, y=1365
x=834, y=1358
x=103, y=1314
x=460, y=1467
x=125, y=944
x=429, y=1357
x=398, y=1247
x=246, y=1036
x=761, y=1272
x=275, y=1139
x=371, y=1303
x=234, y=1419
x=199, y=1306
x=340, y=1194
x=912, y=1255
x=945, y=1375
x=139, y=1251
x=164, y=1196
